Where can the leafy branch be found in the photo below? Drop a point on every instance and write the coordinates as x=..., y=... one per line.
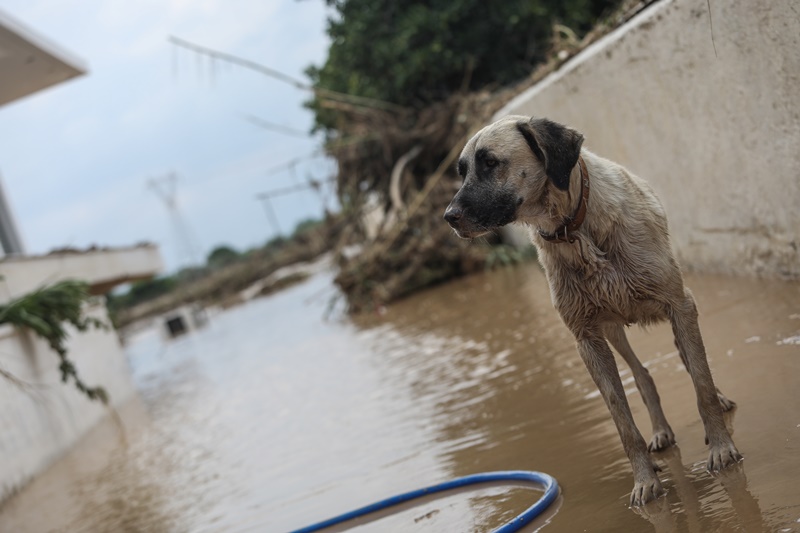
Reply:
x=47, y=311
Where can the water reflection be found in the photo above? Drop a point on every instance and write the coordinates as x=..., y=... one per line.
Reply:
x=681, y=510
x=510, y=392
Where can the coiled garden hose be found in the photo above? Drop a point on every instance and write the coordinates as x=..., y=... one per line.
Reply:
x=550, y=494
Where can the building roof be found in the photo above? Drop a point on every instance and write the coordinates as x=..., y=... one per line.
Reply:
x=29, y=62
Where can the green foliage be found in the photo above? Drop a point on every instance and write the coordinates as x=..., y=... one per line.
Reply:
x=141, y=291
x=183, y=281
x=190, y=273
x=415, y=52
x=222, y=256
x=46, y=312
x=275, y=243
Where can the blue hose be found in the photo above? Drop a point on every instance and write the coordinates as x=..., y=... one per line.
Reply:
x=550, y=494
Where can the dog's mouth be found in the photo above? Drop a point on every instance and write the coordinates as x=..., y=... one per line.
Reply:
x=469, y=229
x=470, y=220
x=470, y=234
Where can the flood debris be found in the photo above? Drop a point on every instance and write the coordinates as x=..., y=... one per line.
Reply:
x=395, y=178
x=396, y=171
x=397, y=175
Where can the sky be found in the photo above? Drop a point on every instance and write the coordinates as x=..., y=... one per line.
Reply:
x=76, y=158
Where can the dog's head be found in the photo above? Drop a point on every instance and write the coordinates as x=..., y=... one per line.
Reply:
x=508, y=168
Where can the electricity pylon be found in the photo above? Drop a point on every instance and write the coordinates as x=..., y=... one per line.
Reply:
x=166, y=188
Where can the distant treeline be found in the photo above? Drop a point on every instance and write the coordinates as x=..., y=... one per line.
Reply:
x=220, y=257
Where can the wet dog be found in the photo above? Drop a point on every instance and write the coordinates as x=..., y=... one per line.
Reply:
x=603, y=241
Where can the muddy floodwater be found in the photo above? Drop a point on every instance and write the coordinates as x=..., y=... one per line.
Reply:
x=276, y=416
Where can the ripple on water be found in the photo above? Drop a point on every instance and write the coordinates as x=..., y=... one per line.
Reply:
x=274, y=417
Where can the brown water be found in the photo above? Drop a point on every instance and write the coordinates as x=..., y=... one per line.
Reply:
x=275, y=417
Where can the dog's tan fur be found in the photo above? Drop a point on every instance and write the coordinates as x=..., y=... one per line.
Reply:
x=619, y=271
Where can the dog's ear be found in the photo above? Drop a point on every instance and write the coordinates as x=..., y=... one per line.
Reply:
x=556, y=146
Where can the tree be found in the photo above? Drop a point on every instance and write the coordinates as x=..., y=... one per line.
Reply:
x=144, y=290
x=222, y=256
x=275, y=243
x=415, y=52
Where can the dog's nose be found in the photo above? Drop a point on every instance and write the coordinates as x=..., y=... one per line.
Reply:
x=453, y=214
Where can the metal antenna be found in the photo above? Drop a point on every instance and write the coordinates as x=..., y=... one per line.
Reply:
x=166, y=188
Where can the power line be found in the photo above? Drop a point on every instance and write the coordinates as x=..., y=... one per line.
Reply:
x=266, y=198
x=271, y=72
x=311, y=184
x=293, y=162
x=230, y=58
x=261, y=123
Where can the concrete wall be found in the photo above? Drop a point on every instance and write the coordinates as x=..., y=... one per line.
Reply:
x=101, y=268
x=43, y=418
x=718, y=135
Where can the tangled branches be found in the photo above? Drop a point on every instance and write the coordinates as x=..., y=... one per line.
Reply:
x=400, y=167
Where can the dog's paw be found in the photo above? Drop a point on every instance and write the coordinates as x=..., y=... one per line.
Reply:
x=662, y=439
x=726, y=404
x=723, y=456
x=646, y=491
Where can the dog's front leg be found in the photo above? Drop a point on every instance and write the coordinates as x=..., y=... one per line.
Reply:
x=690, y=345
x=603, y=368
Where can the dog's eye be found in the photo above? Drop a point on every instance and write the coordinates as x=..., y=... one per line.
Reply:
x=490, y=162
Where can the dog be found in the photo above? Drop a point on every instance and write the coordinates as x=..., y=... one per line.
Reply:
x=603, y=241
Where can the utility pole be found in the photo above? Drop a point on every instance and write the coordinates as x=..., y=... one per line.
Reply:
x=166, y=188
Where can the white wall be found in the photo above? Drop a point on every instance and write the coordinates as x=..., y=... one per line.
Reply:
x=101, y=268
x=43, y=420
x=718, y=136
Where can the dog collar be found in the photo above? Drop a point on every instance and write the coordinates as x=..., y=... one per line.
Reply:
x=571, y=224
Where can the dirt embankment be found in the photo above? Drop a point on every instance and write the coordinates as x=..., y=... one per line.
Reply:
x=222, y=286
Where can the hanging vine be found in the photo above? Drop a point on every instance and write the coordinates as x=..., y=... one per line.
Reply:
x=47, y=312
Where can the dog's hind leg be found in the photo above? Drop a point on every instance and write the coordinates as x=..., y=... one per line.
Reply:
x=600, y=362
x=726, y=403
x=663, y=437
x=683, y=316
